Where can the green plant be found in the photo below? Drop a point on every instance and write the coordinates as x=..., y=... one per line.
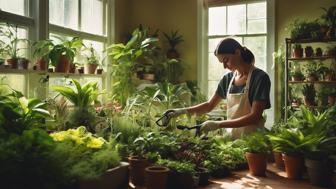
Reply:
x=177, y=166
x=10, y=46
x=68, y=49
x=125, y=57
x=256, y=143
x=297, y=74
x=329, y=16
x=308, y=90
x=82, y=98
x=173, y=38
x=303, y=29
x=18, y=113
x=92, y=58
x=42, y=49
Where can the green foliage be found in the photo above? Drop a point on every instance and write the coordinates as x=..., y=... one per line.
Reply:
x=42, y=49
x=10, y=45
x=86, y=157
x=18, y=113
x=256, y=143
x=30, y=161
x=92, y=57
x=67, y=48
x=329, y=16
x=125, y=130
x=178, y=166
x=173, y=38
x=303, y=29
x=125, y=57
x=308, y=90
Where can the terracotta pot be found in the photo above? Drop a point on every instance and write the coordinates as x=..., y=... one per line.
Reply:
x=294, y=166
x=203, y=174
x=63, y=65
x=42, y=64
x=80, y=70
x=257, y=163
x=22, y=63
x=279, y=162
x=320, y=172
x=12, y=63
x=178, y=180
x=318, y=52
x=172, y=54
x=137, y=170
x=72, y=68
x=331, y=100
x=298, y=53
x=156, y=177
x=90, y=68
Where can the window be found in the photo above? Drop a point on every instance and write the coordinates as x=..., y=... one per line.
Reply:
x=15, y=6
x=247, y=23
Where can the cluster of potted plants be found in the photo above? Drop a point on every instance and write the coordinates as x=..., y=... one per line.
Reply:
x=307, y=139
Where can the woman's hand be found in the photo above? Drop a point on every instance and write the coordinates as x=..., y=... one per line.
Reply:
x=210, y=126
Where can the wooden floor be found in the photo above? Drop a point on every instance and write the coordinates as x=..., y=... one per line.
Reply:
x=275, y=179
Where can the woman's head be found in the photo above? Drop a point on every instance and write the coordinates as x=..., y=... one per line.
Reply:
x=229, y=49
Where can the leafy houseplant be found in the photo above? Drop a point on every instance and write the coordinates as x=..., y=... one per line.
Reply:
x=41, y=53
x=304, y=29
x=173, y=39
x=309, y=94
x=330, y=19
x=297, y=75
x=62, y=55
x=82, y=98
x=92, y=61
x=11, y=44
x=256, y=153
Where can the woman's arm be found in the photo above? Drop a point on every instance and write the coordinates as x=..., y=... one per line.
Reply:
x=205, y=107
x=253, y=117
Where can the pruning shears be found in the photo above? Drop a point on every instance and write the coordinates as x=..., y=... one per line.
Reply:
x=165, y=119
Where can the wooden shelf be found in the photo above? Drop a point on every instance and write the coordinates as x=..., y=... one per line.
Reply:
x=320, y=82
x=17, y=71
x=312, y=58
x=51, y=74
x=310, y=40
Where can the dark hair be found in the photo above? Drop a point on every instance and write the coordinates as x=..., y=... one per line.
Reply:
x=229, y=46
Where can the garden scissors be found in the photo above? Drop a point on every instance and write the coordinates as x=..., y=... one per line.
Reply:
x=164, y=120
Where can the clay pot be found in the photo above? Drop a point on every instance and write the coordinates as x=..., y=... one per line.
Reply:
x=137, y=167
x=41, y=64
x=331, y=100
x=309, y=51
x=100, y=71
x=12, y=62
x=279, y=162
x=257, y=163
x=298, y=53
x=156, y=177
x=22, y=63
x=63, y=65
x=320, y=172
x=80, y=70
x=318, y=51
x=294, y=166
x=90, y=68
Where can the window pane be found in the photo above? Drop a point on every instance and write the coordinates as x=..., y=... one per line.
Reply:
x=98, y=46
x=258, y=46
x=64, y=13
x=92, y=16
x=212, y=87
x=256, y=26
x=237, y=19
x=256, y=10
x=217, y=21
x=13, y=6
x=15, y=81
x=8, y=36
x=213, y=44
x=216, y=69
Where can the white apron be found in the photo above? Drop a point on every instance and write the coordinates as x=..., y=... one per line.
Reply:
x=239, y=105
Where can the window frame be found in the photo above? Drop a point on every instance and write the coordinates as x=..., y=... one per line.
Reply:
x=203, y=50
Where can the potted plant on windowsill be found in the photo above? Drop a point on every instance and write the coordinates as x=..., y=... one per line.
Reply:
x=92, y=60
x=41, y=53
x=62, y=55
x=10, y=44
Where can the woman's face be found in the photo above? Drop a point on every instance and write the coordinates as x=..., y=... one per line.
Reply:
x=229, y=61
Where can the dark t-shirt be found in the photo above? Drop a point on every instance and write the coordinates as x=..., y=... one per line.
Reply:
x=259, y=88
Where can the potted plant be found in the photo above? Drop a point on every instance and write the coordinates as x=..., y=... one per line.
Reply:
x=331, y=96
x=11, y=43
x=173, y=38
x=309, y=94
x=41, y=53
x=330, y=74
x=256, y=150
x=329, y=17
x=289, y=142
x=308, y=51
x=313, y=70
x=156, y=177
x=303, y=30
x=297, y=75
x=92, y=60
x=297, y=51
x=276, y=128
x=318, y=52
x=62, y=55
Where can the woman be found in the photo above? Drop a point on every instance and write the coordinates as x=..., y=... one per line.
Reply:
x=246, y=88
